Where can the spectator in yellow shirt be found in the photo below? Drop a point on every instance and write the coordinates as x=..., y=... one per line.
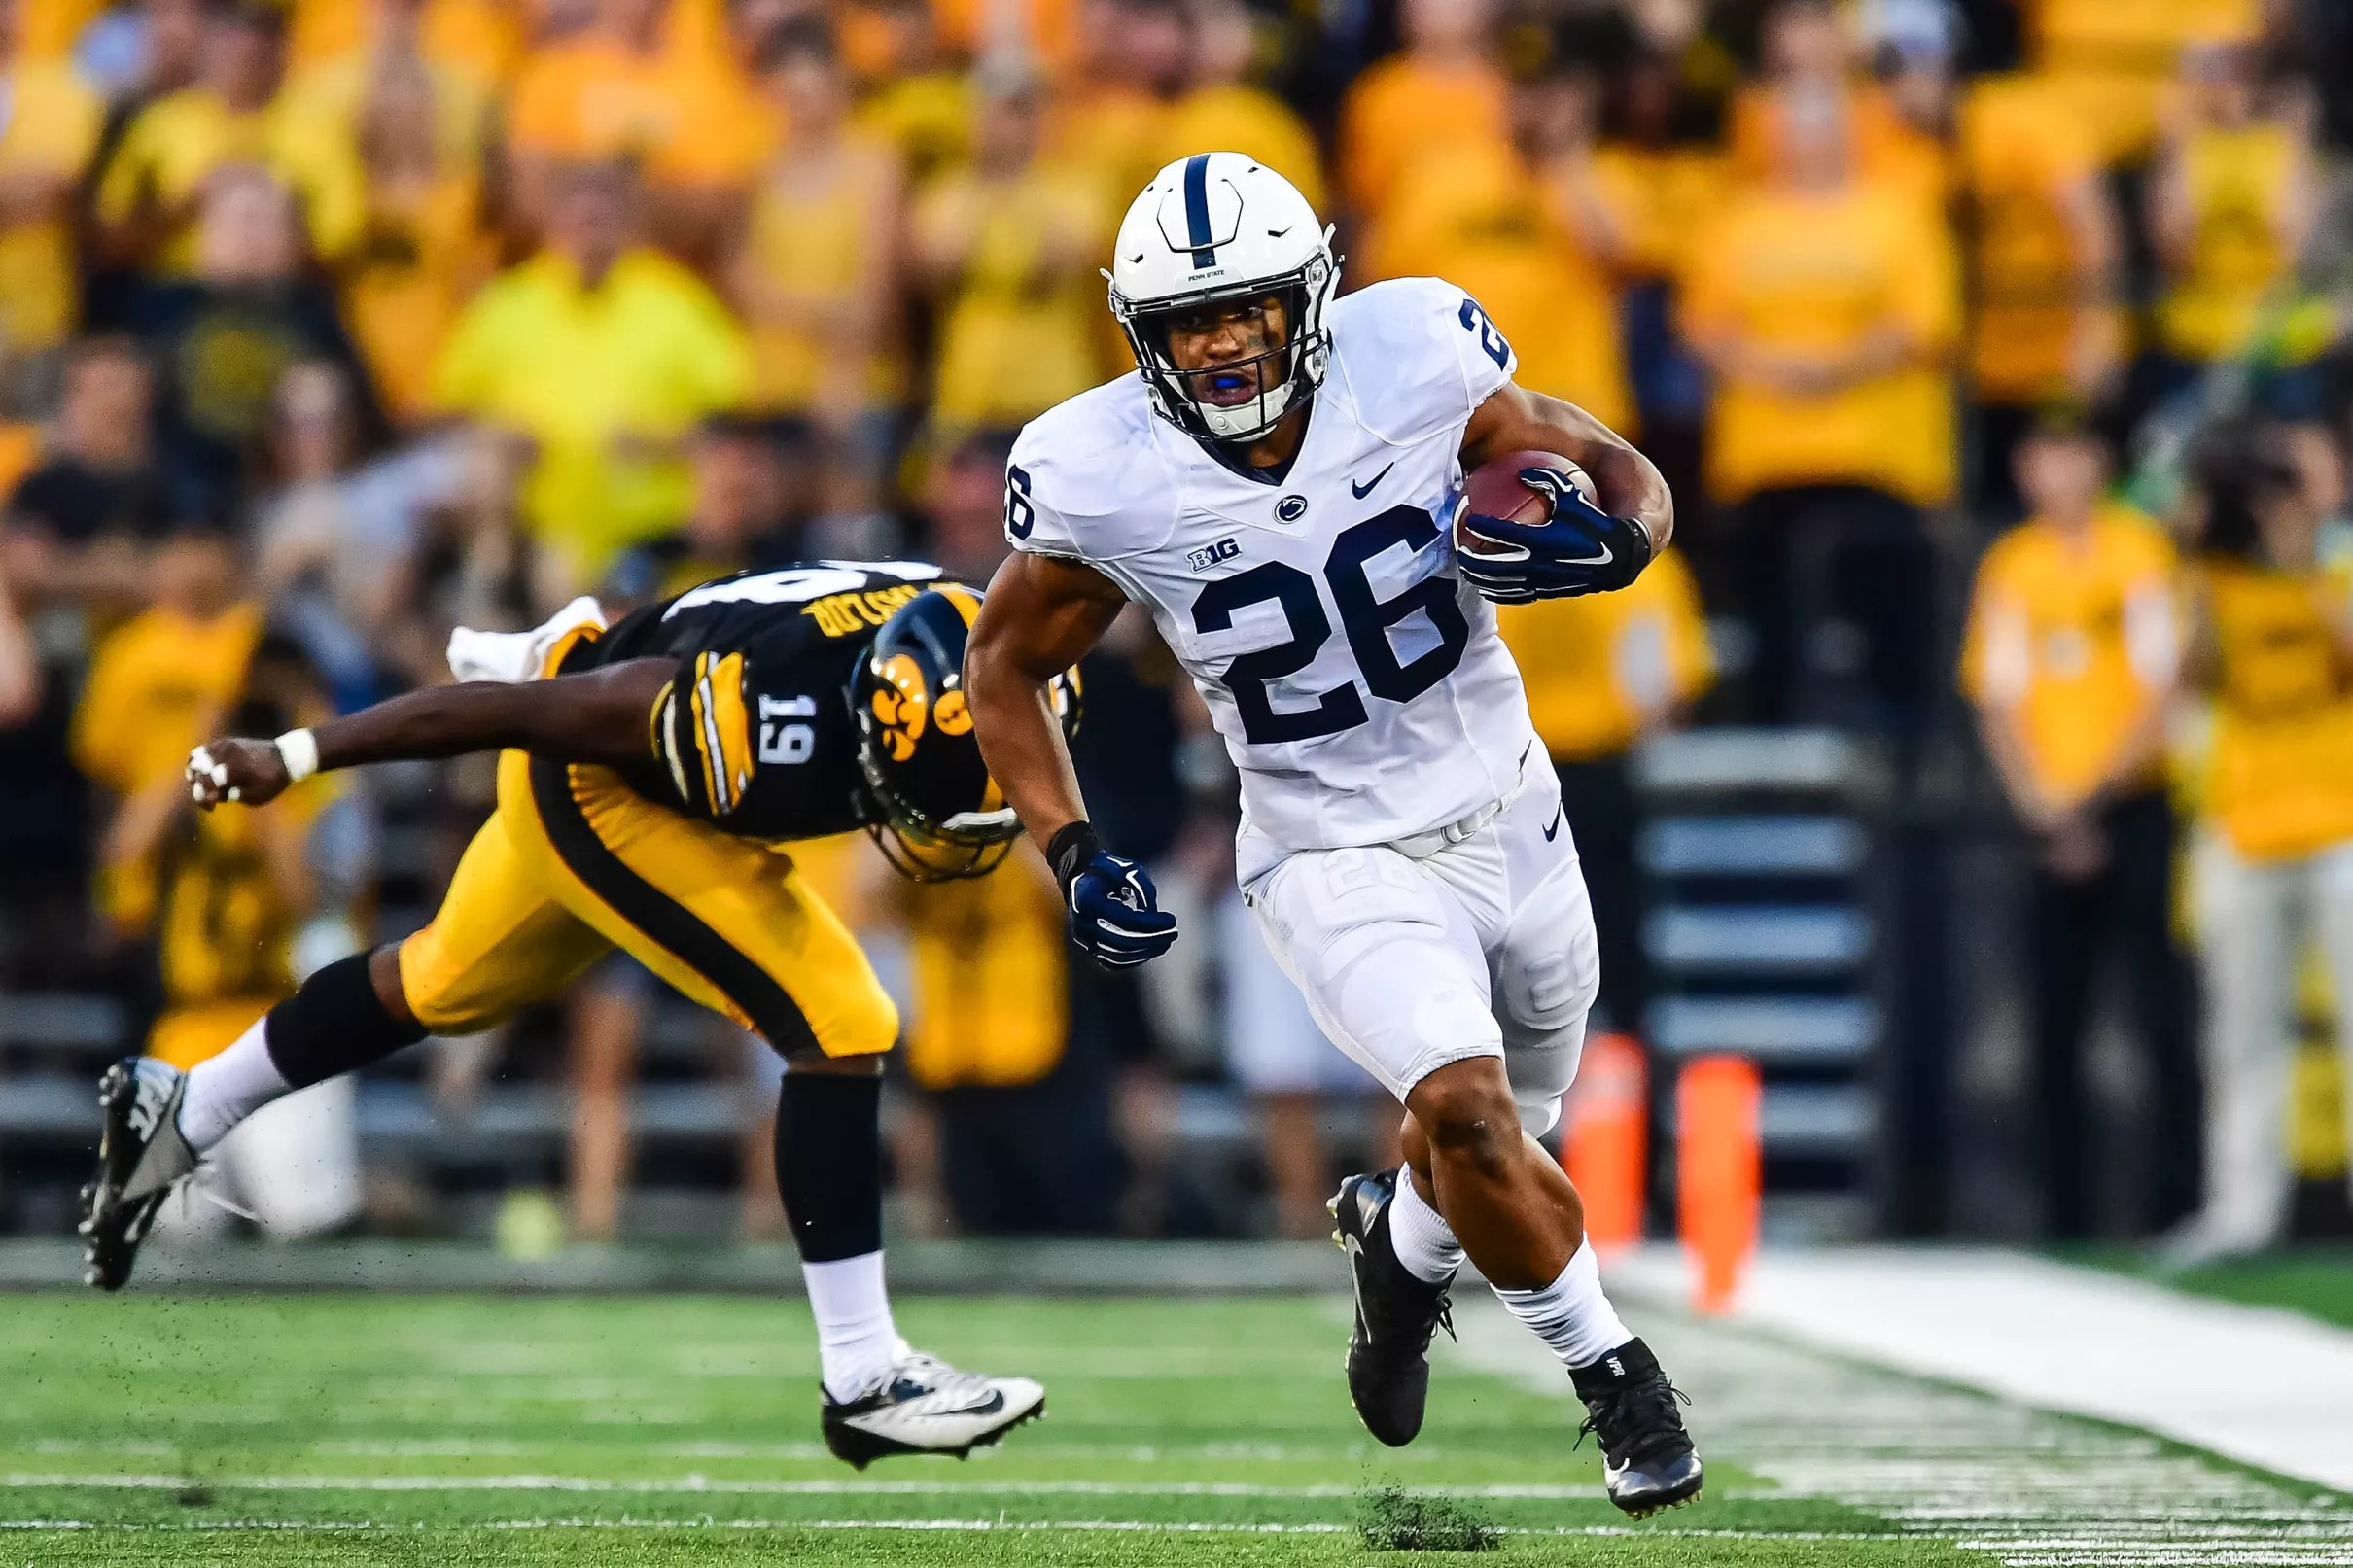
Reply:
x=1023, y=1128
x=424, y=246
x=1603, y=673
x=911, y=92
x=1826, y=306
x=1112, y=117
x=153, y=187
x=1809, y=62
x=47, y=137
x=2118, y=61
x=250, y=902
x=636, y=82
x=1009, y=247
x=2273, y=647
x=1444, y=91
x=1224, y=108
x=2232, y=205
x=480, y=40
x=819, y=269
x=599, y=355
x=2045, y=248
x=1524, y=228
x=1662, y=179
x=158, y=686
x=2071, y=656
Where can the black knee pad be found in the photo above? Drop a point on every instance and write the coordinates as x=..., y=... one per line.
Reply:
x=335, y=1024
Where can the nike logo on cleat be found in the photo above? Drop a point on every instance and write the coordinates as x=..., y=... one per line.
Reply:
x=1361, y=491
x=1550, y=833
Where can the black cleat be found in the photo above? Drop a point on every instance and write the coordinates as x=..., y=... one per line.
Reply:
x=1396, y=1314
x=141, y=1159
x=924, y=1405
x=1647, y=1458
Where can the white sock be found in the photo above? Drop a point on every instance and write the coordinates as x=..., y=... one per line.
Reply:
x=1572, y=1315
x=856, y=1341
x=1420, y=1236
x=225, y=1090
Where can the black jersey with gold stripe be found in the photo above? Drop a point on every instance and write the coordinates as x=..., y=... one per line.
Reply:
x=754, y=733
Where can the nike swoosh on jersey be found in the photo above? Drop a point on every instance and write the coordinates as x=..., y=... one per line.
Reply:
x=1361, y=491
x=1554, y=831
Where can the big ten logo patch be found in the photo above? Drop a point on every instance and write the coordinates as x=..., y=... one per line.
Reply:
x=843, y=613
x=1209, y=555
x=904, y=706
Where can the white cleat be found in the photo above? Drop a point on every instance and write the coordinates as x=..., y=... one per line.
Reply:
x=141, y=1158
x=924, y=1405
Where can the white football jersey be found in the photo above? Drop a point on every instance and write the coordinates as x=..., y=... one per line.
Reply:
x=1361, y=687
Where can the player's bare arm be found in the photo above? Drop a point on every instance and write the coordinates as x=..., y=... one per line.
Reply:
x=596, y=716
x=1514, y=419
x=1041, y=615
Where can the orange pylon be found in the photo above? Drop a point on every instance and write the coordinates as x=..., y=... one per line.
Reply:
x=1720, y=1173
x=1607, y=1139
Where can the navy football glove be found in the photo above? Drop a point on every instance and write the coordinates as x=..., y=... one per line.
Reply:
x=1580, y=549
x=1115, y=917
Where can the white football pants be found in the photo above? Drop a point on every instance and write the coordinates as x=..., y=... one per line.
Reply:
x=2253, y=918
x=1482, y=947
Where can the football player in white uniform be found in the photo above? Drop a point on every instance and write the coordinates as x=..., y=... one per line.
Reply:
x=1276, y=485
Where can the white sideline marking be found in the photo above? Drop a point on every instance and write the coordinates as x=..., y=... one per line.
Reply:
x=2023, y=1487
x=2067, y=1338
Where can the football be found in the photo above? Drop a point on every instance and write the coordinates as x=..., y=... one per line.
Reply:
x=1496, y=490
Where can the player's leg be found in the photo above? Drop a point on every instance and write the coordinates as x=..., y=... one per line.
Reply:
x=497, y=944
x=1546, y=980
x=731, y=926
x=1391, y=967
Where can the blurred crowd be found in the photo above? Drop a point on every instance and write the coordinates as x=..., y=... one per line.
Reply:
x=327, y=325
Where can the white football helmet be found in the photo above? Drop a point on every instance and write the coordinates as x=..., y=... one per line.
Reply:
x=1221, y=225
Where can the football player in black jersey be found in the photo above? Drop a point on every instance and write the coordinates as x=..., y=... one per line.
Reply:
x=651, y=770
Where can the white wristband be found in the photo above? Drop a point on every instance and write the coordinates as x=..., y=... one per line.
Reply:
x=298, y=750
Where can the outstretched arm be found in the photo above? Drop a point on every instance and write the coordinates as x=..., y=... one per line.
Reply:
x=599, y=715
x=1514, y=419
x=1039, y=617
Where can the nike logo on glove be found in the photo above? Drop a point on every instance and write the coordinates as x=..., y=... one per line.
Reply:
x=1361, y=491
x=1554, y=831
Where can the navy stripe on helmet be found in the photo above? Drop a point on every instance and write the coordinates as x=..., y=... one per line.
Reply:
x=1197, y=209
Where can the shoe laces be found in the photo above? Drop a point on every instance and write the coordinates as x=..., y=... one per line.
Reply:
x=935, y=1374
x=1637, y=1420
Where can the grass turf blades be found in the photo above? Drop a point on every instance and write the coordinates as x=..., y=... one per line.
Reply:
x=656, y=1431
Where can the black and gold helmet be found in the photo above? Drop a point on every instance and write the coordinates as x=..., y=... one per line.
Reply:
x=936, y=815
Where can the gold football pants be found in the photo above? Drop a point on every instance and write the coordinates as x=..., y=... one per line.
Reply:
x=574, y=863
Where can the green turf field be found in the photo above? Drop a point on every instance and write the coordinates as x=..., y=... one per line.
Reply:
x=151, y=1429
x=2317, y=1283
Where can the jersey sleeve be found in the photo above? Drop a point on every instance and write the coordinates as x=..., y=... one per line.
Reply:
x=1033, y=523
x=1426, y=355
x=1081, y=482
x=700, y=732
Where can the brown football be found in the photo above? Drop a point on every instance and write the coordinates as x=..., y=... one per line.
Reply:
x=1494, y=490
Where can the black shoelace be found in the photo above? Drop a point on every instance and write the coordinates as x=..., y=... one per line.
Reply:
x=1636, y=1421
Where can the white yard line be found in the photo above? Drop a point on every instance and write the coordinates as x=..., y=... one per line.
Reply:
x=2026, y=1488
x=708, y=1485
x=2267, y=1387
x=972, y=1526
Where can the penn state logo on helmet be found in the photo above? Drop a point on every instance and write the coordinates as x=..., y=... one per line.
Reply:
x=1212, y=229
x=936, y=813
